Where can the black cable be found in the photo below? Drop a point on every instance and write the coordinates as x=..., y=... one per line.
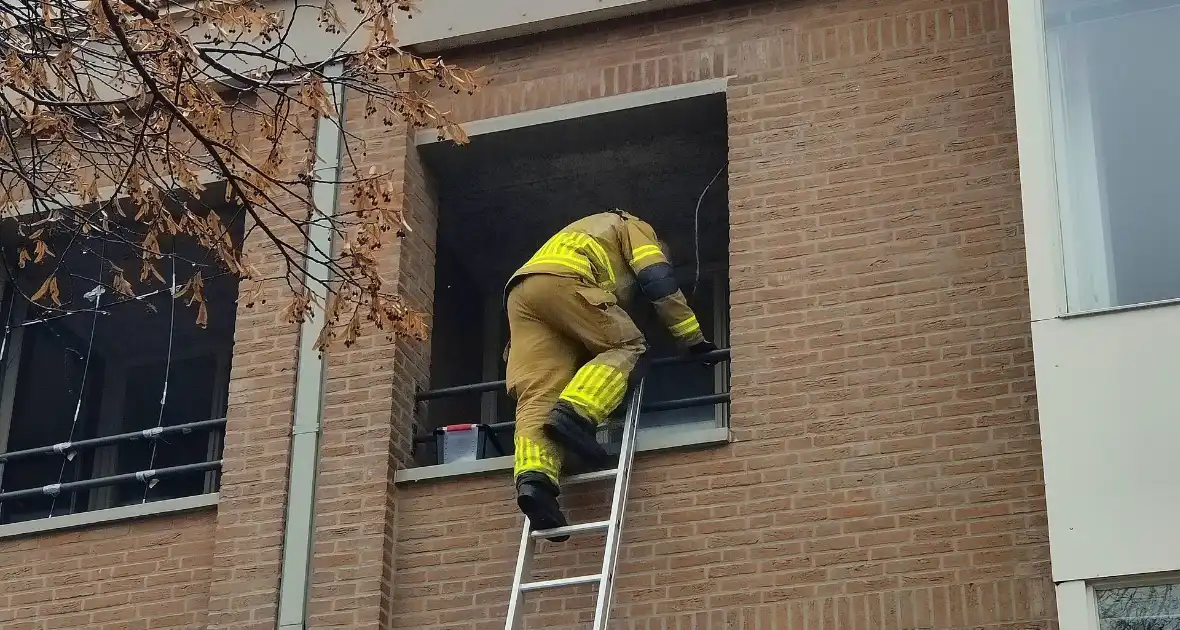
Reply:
x=696, y=234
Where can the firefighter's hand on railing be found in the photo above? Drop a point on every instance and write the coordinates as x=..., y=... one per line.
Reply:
x=704, y=350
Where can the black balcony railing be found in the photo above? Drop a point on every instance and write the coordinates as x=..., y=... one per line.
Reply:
x=497, y=386
x=66, y=449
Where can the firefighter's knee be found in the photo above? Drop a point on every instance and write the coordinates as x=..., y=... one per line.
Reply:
x=636, y=347
x=596, y=390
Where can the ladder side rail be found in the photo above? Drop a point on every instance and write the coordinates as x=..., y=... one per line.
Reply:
x=618, y=508
x=524, y=563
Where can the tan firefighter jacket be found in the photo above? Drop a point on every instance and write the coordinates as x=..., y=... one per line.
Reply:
x=616, y=251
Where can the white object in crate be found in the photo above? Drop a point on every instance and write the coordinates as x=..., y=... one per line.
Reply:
x=460, y=443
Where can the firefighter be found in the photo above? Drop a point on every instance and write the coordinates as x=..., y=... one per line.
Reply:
x=572, y=345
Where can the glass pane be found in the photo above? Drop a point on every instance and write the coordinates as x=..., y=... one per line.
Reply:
x=191, y=384
x=685, y=380
x=46, y=411
x=1114, y=85
x=1140, y=608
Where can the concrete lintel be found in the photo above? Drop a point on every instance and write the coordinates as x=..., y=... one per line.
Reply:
x=581, y=109
x=448, y=24
x=27, y=206
x=110, y=515
x=443, y=25
x=649, y=440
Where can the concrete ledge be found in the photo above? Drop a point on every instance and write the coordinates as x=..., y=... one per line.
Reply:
x=110, y=515
x=581, y=109
x=1119, y=309
x=646, y=442
x=446, y=24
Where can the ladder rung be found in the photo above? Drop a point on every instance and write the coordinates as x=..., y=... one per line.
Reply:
x=597, y=475
x=580, y=528
x=560, y=582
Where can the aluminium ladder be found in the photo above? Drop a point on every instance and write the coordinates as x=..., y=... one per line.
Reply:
x=613, y=527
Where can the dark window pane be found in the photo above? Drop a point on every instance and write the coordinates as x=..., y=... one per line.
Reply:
x=1140, y=608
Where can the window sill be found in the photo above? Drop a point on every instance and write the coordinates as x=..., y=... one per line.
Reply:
x=110, y=515
x=1119, y=309
x=658, y=439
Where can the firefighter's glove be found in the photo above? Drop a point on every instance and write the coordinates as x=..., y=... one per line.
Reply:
x=701, y=351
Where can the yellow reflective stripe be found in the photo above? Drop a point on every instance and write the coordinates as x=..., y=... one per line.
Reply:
x=613, y=395
x=581, y=390
x=535, y=457
x=644, y=252
x=581, y=387
x=579, y=266
x=600, y=257
x=687, y=327
x=577, y=251
x=562, y=245
x=589, y=407
x=596, y=390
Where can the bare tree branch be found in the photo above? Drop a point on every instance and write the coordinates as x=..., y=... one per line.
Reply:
x=102, y=100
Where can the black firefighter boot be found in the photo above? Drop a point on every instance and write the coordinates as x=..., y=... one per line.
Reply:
x=537, y=498
x=578, y=435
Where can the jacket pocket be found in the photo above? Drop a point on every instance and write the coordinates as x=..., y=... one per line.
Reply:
x=615, y=324
x=598, y=298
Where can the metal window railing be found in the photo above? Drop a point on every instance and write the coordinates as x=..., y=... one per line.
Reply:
x=143, y=476
x=662, y=405
x=66, y=449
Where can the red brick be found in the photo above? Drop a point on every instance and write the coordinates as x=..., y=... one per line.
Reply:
x=65, y=596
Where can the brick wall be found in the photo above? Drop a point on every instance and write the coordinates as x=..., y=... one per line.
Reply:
x=253, y=492
x=885, y=470
x=368, y=410
x=151, y=573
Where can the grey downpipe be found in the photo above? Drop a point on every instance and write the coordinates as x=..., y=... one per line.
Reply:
x=299, y=525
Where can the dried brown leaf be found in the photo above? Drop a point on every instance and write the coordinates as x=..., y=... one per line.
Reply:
x=48, y=287
x=121, y=285
x=40, y=251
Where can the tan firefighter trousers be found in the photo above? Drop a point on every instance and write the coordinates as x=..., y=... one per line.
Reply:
x=568, y=341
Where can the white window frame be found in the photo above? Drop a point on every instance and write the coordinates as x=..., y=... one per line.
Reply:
x=1038, y=169
x=1041, y=181
x=1077, y=600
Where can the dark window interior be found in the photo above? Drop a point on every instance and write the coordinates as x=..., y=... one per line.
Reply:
x=191, y=398
x=122, y=356
x=503, y=194
x=50, y=359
